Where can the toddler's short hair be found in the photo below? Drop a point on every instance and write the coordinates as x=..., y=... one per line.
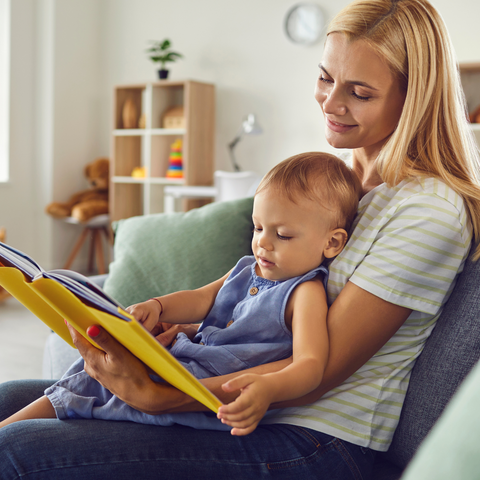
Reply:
x=319, y=177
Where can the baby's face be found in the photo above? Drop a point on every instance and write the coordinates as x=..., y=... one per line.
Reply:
x=289, y=238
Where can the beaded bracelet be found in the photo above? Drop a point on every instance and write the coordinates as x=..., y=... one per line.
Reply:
x=161, y=306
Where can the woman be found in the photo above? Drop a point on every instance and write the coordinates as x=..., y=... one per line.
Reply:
x=389, y=91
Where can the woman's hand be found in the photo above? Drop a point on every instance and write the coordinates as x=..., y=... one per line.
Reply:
x=248, y=409
x=123, y=374
x=114, y=367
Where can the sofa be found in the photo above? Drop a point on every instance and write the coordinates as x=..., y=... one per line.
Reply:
x=162, y=253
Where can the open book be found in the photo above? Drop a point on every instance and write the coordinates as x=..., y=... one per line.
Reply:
x=62, y=294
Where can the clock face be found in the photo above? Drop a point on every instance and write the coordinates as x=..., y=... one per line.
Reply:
x=304, y=23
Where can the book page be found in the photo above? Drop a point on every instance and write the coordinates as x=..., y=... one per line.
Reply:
x=87, y=283
x=11, y=257
x=86, y=291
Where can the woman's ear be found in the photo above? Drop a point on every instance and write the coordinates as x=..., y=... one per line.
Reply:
x=338, y=239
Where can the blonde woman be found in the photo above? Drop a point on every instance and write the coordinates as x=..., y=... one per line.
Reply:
x=389, y=91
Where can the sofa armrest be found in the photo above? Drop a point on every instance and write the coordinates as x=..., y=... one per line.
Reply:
x=99, y=279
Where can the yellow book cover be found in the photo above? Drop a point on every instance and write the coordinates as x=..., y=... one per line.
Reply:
x=62, y=294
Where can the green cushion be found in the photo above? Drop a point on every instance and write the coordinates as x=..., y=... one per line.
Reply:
x=163, y=253
x=450, y=451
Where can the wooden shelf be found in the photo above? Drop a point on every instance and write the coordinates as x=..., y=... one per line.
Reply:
x=156, y=180
x=139, y=132
x=150, y=147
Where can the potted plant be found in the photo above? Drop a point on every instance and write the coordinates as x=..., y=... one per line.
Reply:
x=160, y=52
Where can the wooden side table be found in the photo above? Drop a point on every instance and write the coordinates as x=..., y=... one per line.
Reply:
x=93, y=229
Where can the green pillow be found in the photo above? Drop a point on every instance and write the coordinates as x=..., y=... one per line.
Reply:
x=450, y=450
x=163, y=253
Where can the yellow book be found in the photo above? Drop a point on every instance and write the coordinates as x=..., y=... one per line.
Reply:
x=63, y=294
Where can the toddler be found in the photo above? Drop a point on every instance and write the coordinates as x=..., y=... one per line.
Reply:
x=270, y=306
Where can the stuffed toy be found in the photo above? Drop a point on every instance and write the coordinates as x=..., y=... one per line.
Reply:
x=89, y=203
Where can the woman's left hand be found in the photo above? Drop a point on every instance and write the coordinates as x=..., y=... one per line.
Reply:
x=114, y=366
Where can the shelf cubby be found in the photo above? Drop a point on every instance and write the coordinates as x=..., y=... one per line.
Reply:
x=150, y=147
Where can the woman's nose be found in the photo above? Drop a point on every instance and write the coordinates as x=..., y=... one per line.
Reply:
x=333, y=103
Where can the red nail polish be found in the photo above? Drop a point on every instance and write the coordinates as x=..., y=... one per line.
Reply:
x=93, y=331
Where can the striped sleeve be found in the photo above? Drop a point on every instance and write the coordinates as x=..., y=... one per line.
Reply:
x=416, y=254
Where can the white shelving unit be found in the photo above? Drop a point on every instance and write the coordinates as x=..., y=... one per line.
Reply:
x=149, y=147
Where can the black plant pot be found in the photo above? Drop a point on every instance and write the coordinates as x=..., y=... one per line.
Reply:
x=163, y=74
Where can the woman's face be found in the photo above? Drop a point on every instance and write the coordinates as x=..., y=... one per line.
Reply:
x=360, y=98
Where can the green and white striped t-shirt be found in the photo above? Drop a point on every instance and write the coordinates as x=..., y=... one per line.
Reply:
x=408, y=244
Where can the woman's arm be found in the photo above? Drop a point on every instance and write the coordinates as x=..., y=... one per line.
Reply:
x=359, y=324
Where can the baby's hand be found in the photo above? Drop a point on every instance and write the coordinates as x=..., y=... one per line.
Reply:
x=147, y=313
x=248, y=409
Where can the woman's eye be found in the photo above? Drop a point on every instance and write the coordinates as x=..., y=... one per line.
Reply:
x=283, y=237
x=360, y=97
x=257, y=229
x=324, y=80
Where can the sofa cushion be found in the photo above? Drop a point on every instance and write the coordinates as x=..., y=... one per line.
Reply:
x=448, y=356
x=163, y=253
x=450, y=451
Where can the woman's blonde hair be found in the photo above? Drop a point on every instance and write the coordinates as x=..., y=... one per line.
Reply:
x=320, y=177
x=433, y=137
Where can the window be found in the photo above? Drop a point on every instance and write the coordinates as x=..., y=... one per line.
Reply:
x=4, y=88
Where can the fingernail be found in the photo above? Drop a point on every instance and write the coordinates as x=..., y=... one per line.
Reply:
x=93, y=331
x=66, y=323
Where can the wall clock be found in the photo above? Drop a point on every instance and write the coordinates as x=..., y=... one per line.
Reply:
x=304, y=23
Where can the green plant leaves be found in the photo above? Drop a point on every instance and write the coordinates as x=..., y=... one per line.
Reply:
x=158, y=52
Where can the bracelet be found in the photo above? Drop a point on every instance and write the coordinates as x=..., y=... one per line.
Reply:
x=161, y=306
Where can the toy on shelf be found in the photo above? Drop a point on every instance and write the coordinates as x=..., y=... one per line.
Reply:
x=174, y=118
x=175, y=162
x=139, y=172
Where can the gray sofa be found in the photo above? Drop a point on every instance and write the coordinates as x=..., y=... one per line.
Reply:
x=449, y=355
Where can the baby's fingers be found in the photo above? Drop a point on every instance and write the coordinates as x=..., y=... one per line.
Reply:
x=238, y=383
x=229, y=417
x=240, y=405
x=243, y=429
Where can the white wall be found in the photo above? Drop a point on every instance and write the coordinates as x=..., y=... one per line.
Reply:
x=55, y=125
x=68, y=54
x=240, y=46
x=16, y=196
x=242, y=49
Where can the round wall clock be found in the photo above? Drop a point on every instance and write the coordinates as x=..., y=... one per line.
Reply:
x=304, y=23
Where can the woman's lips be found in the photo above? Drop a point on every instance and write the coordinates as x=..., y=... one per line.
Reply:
x=338, y=127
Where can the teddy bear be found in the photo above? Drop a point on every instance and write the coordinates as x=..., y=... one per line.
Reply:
x=89, y=203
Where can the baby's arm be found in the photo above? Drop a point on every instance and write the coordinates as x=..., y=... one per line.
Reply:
x=187, y=306
x=308, y=305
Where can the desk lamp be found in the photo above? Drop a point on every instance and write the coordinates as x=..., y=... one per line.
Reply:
x=249, y=127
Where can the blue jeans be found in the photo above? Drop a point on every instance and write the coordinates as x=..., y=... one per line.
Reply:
x=54, y=449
